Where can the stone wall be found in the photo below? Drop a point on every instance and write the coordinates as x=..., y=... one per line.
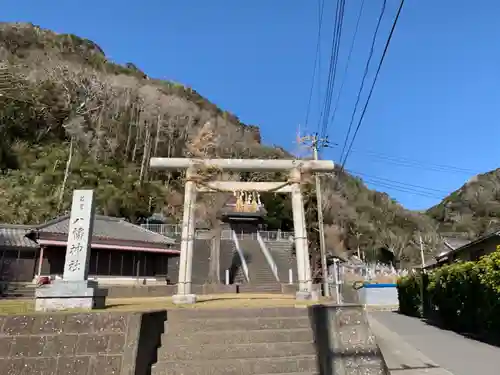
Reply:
x=74, y=344
x=344, y=341
x=128, y=291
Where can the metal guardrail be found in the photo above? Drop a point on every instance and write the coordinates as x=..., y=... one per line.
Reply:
x=175, y=230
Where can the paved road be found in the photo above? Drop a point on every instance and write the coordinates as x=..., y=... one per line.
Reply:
x=460, y=355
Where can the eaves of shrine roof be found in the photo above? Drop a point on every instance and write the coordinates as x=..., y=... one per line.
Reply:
x=108, y=228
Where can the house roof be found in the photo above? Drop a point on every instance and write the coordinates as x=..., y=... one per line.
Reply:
x=15, y=236
x=455, y=243
x=466, y=244
x=450, y=245
x=108, y=228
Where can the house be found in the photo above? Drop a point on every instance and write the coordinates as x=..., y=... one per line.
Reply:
x=18, y=253
x=474, y=250
x=465, y=250
x=450, y=245
x=119, y=250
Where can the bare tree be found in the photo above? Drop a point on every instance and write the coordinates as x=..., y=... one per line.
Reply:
x=66, y=174
x=396, y=243
x=145, y=153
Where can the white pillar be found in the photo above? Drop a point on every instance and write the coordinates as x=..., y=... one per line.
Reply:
x=184, y=294
x=301, y=246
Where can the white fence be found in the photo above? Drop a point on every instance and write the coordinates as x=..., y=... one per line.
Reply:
x=372, y=270
x=175, y=230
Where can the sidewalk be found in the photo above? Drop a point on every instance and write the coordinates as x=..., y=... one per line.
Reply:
x=451, y=351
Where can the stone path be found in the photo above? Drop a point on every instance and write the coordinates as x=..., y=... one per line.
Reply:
x=456, y=353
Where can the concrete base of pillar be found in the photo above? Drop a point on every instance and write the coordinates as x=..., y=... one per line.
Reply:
x=307, y=296
x=184, y=299
x=64, y=295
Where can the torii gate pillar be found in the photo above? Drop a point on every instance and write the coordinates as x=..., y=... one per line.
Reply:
x=295, y=168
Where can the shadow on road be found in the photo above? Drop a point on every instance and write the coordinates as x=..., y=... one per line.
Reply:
x=490, y=338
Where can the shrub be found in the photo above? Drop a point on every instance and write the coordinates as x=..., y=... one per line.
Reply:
x=454, y=292
x=409, y=295
x=463, y=296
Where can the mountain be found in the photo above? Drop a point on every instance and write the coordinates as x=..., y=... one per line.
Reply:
x=473, y=210
x=71, y=118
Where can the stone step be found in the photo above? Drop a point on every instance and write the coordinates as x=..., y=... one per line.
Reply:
x=267, y=279
x=207, y=325
x=22, y=292
x=236, y=351
x=264, y=287
x=267, y=312
x=16, y=296
x=254, y=366
x=239, y=337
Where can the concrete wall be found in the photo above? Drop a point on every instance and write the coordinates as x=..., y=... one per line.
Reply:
x=86, y=343
x=378, y=296
x=122, y=291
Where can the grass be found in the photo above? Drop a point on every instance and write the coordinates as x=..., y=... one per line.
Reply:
x=10, y=307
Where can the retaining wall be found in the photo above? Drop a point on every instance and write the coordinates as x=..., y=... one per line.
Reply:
x=85, y=343
x=128, y=291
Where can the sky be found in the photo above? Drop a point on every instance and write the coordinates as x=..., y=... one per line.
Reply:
x=431, y=122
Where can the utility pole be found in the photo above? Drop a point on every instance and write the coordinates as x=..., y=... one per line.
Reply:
x=422, y=252
x=315, y=142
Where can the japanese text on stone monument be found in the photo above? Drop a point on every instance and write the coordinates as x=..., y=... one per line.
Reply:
x=79, y=236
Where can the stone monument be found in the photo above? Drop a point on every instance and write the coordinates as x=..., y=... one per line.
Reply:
x=74, y=290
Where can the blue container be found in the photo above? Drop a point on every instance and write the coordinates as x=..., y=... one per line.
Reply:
x=379, y=295
x=379, y=285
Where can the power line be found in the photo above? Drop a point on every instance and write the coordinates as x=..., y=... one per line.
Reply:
x=412, y=163
x=321, y=8
x=403, y=184
x=402, y=189
x=337, y=48
x=388, y=42
x=332, y=69
x=348, y=62
x=365, y=74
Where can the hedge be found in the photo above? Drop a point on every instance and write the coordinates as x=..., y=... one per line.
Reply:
x=409, y=295
x=464, y=296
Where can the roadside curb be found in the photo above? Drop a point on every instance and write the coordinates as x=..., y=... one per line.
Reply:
x=400, y=357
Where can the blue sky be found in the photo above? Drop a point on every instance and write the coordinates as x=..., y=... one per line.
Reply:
x=434, y=102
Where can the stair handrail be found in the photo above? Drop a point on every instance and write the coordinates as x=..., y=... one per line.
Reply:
x=269, y=256
x=241, y=255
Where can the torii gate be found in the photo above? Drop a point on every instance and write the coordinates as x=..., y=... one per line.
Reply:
x=194, y=184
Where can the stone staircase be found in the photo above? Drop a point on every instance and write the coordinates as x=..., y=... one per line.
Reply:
x=262, y=279
x=242, y=341
x=226, y=258
x=259, y=271
x=282, y=254
x=287, y=340
x=230, y=260
x=201, y=263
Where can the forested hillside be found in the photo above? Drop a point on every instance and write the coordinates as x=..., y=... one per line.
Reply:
x=70, y=118
x=474, y=209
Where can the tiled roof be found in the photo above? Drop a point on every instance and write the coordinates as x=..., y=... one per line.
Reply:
x=112, y=228
x=455, y=243
x=15, y=236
